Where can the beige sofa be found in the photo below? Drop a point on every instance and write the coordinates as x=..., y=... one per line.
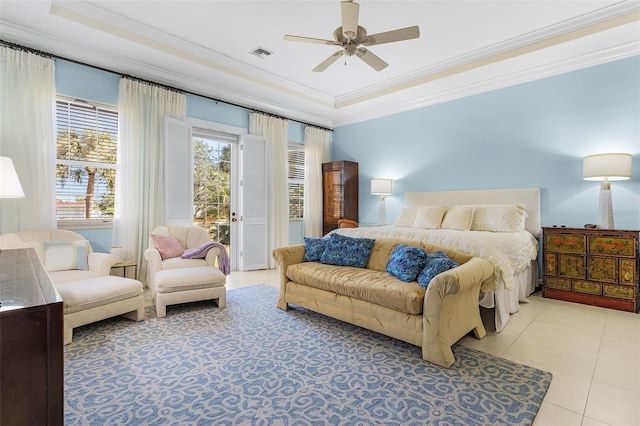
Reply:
x=88, y=295
x=370, y=297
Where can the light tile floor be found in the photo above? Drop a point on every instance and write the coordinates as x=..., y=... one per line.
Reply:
x=593, y=354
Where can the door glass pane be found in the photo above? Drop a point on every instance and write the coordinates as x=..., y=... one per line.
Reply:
x=212, y=188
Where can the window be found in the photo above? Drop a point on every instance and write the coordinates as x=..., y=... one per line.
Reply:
x=296, y=180
x=212, y=183
x=86, y=153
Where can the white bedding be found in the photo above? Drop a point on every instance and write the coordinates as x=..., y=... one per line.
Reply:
x=509, y=252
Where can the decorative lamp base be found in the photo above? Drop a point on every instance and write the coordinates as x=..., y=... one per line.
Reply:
x=382, y=212
x=605, y=207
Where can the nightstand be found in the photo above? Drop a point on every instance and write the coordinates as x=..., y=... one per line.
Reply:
x=126, y=269
x=592, y=266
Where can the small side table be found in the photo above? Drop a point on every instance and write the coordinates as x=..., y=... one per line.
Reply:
x=126, y=269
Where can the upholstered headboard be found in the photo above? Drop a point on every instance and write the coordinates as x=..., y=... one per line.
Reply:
x=530, y=197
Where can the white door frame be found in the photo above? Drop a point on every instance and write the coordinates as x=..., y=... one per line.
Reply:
x=235, y=184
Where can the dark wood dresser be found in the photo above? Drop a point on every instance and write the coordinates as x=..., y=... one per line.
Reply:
x=31, y=353
x=592, y=266
x=339, y=193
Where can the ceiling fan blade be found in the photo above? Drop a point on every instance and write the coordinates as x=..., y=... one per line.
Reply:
x=349, y=11
x=330, y=60
x=391, y=36
x=372, y=60
x=310, y=40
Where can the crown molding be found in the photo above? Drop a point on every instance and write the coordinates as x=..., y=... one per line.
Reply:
x=591, y=23
x=535, y=73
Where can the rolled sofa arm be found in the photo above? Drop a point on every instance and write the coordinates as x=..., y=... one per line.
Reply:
x=101, y=262
x=285, y=256
x=442, y=325
x=154, y=264
x=212, y=256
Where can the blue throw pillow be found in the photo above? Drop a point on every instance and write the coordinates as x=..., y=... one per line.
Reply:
x=406, y=262
x=347, y=251
x=437, y=263
x=313, y=249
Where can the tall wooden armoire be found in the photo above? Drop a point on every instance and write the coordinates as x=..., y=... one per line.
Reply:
x=339, y=193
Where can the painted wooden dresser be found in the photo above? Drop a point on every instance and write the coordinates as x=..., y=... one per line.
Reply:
x=592, y=266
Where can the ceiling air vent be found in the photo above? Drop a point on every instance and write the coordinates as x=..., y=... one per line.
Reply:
x=260, y=52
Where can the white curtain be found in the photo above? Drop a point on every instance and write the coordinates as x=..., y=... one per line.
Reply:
x=316, y=151
x=275, y=132
x=139, y=205
x=27, y=136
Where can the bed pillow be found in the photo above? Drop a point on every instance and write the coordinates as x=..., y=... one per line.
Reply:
x=406, y=262
x=458, y=218
x=313, y=249
x=407, y=217
x=499, y=217
x=347, y=251
x=429, y=217
x=168, y=247
x=436, y=263
x=66, y=255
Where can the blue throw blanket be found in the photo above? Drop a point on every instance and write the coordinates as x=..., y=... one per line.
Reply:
x=201, y=253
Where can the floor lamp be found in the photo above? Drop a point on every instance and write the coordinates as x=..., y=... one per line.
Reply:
x=9, y=183
x=605, y=168
x=382, y=187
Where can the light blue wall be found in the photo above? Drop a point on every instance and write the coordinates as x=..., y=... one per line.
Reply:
x=83, y=82
x=529, y=135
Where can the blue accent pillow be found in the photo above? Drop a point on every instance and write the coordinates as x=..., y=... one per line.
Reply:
x=313, y=249
x=437, y=263
x=347, y=251
x=406, y=262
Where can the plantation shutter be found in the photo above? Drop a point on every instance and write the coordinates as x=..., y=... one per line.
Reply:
x=178, y=161
x=253, y=228
x=296, y=180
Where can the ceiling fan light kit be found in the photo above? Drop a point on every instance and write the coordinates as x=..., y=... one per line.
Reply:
x=351, y=36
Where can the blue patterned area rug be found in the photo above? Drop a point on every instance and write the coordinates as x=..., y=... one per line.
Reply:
x=253, y=364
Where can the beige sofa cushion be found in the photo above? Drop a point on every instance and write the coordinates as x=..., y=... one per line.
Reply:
x=59, y=277
x=368, y=285
x=173, y=280
x=87, y=294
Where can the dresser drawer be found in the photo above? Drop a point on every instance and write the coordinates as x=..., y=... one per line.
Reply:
x=566, y=243
x=611, y=245
x=619, y=291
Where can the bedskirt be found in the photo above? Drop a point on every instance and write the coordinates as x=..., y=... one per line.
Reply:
x=506, y=302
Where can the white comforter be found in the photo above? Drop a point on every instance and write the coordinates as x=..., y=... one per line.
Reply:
x=508, y=252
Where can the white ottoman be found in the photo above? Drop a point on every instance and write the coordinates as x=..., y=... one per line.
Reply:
x=95, y=299
x=173, y=286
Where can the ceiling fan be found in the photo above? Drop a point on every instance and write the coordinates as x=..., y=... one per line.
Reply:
x=351, y=36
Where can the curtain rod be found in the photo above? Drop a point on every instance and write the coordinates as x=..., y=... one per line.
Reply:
x=26, y=49
x=175, y=89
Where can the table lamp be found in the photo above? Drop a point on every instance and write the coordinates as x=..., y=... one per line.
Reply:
x=382, y=187
x=606, y=168
x=9, y=183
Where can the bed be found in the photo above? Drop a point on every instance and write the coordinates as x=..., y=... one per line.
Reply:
x=504, y=227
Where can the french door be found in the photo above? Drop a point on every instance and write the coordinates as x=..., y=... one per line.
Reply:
x=216, y=179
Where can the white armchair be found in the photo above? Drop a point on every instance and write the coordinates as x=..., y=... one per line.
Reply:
x=89, y=293
x=99, y=263
x=189, y=237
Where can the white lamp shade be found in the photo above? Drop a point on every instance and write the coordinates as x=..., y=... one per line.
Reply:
x=381, y=187
x=615, y=166
x=9, y=183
